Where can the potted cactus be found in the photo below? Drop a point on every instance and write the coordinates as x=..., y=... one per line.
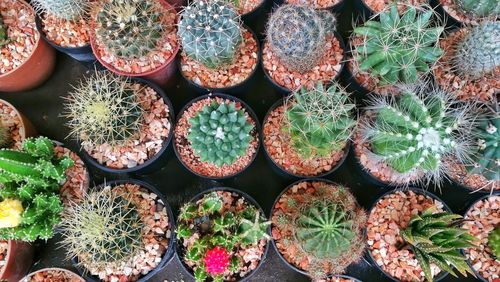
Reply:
x=52, y=274
x=216, y=136
x=301, y=47
x=218, y=52
x=122, y=125
x=405, y=139
x=470, y=66
x=135, y=38
x=308, y=133
x=317, y=227
x=413, y=236
x=383, y=57
x=14, y=126
x=26, y=60
x=470, y=11
x=222, y=235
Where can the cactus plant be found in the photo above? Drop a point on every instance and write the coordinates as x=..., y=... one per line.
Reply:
x=4, y=39
x=129, y=29
x=216, y=261
x=478, y=53
x=494, y=242
x=220, y=133
x=319, y=120
x=437, y=238
x=105, y=227
x=297, y=35
x=480, y=8
x=398, y=48
x=5, y=138
x=210, y=32
x=104, y=109
x=72, y=10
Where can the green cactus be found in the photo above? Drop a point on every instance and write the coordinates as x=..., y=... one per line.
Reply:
x=72, y=10
x=297, y=35
x=319, y=120
x=5, y=136
x=494, y=242
x=104, y=109
x=220, y=133
x=399, y=48
x=478, y=54
x=4, y=39
x=106, y=226
x=480, y=8
x=210, y=32
x=130, y=29
x=438, y=238
x=252, y=231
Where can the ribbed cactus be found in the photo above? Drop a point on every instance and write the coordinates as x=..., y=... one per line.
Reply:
x=478, y=53
x=297, y=35
x=480, y=8
x=210, y=32
x=399, y=48
x=438, y=238
x=104, y=109
x=5, y=136
x=319, y=120
x=4, y=39
x=63, y=9
x=220, y=133
x=494, y=242
x=130, y=28
x=105, y=225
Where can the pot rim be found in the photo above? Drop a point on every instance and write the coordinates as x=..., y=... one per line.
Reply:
x=38, y=23
x=50, y=269
x=22, y=132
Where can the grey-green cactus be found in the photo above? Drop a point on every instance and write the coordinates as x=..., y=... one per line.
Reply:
x=63, y=9
x=210, y=32
x=297, y=35
x=220, y=133
x=5, y=136
x=4, y=39
x=480, y=8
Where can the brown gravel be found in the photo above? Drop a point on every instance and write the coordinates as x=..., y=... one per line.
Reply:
x=329, y=68
x=336, y=279
x=66, y=33
x=451, y=8
x=463, y=88
x=390, y=215
x=4, y=248
x=279, y=147
x=248, y=6
x=484, y=217
x=317, y=4
x=245, y=63
x=187, y=155
x=136, y=151
x=10, y=118
x=56, y=275
x=21, y=29
x=378, y=5
x=77, y=178
x=474, y=182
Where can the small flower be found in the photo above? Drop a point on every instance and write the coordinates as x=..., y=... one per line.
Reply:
x=10, y=213
x=216, y=261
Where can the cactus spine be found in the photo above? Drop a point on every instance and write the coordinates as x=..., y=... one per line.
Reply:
x=480, y=8
x=72, y=10
x=4, y=39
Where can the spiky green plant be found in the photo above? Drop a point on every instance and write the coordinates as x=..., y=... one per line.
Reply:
x=4, y=39
x=297, y=35
x=104, y=227
x=478, y=53
x=210, y=32
x=5, y=136
x=480, y=8
x=319, y=120
x=494, y=242
x=398, y=48
x=220, y=133
x=438, y=238
x=72, y=10
x=104, y=109
x=130, y=28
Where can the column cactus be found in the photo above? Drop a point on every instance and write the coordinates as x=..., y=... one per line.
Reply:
x=480, y=8
x=4, y=39
x=72, y=10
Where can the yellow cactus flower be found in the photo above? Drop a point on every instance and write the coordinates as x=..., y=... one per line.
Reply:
x=10, y=213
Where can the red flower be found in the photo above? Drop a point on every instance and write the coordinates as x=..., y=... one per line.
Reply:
x=216, y=261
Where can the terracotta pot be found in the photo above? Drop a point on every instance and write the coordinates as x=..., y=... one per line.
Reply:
x=34, y=71
x=18, y=261
x=27, y=129
x=69, y=273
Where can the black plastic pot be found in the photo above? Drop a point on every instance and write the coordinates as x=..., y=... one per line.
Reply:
x=282, y=90
x=169, y=253
x=283, y=172
x=368, y=252
x=347, y=277
x=367, y=176
x=180, y=251
x=448, y=19
x=82, y=54
x=253, y=19
x=365, y=11
x=250, y=112
x=236, y=89
x=160, y=158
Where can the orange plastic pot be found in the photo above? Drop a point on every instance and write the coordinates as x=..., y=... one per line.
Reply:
x=34, y=71
x=27, y=129
x=18, y=261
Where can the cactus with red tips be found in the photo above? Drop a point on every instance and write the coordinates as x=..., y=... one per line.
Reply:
x=216, y=261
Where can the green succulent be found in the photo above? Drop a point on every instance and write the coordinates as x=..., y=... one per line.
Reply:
x=72, y=10
x=494, y=242
x=4, y=39
x=480, y=8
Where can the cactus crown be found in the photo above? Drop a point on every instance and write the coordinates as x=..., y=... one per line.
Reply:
x=398, y=48
x=5, y=137
x=480, y=8
x=437, y=238
x=478, y=53
x=104, y=109
x=319, y=120
x=63, y=9
x=297, y=35
x=4, y=39
x=210, y=32
x=494, y=242
x=220, y=133
x=130, y=28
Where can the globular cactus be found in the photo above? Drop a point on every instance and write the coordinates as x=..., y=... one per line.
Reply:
x=319, y=120
x=105, y=225
x=130, y=28
x=478, y=54
x=4, y=39
x=297, y=35
x=210, y=32
x=494, y=242
x=72, y=10
x=252, y=231
x=438, y=238
x=220, y=133
x=480, y=8
x=5, y=136
x=216, y=261
x=399, y=49
x=104, y=109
